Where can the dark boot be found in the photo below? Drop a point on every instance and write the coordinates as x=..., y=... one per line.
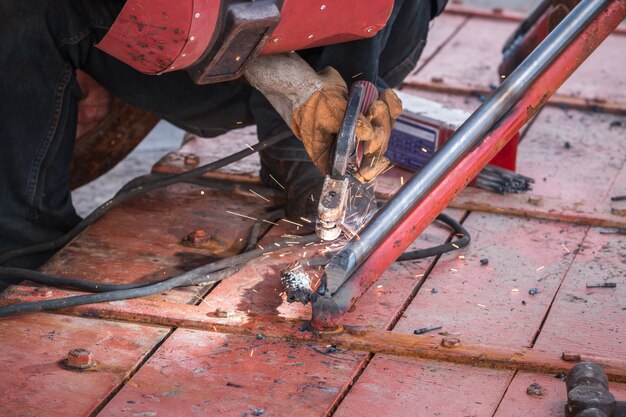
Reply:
x=301, y=180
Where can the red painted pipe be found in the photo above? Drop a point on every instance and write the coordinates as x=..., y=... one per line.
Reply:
x=329, y=313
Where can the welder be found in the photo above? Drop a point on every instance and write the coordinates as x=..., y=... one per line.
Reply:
x=298, y=95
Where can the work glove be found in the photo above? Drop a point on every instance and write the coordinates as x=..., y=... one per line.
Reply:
x=313, y=106
x=381, y=115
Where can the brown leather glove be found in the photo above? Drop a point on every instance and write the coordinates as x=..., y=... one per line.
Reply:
x=318, y=121
x=313, y=105
x=382, y=115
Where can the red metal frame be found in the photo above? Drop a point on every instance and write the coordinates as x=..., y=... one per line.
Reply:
x=308, y=24
x=325, y=314
x=159, y=36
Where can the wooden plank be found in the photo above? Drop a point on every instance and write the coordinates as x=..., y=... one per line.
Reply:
x=471, y=58
x=576, y=158
x=594, y=143
x=468, y=64
x=590, y=320
x=484, y=303
x=399, y=387
x=517, y=403
x=457, y=8
x=201, y=151
x=34, y=381
x=441, y=30
x=204, y=373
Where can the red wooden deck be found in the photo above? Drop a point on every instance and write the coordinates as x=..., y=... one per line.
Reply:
x=171, y=355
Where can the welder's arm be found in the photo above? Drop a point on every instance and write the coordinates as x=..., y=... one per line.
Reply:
x=313, y=105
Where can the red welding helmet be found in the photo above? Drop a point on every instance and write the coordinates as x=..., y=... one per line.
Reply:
x=214, y=39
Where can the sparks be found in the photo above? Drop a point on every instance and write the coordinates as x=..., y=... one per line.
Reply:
x=565, y=247
x=240, y=215
x=540, y=268
x=267, y=221
x=251, y=352
x=260, y=247
x=282, y=255
x=259, y=195
x=250, y=147
x=201, y=192
x=294, y=223
x=454, y=270
x=276, y=181
x=424, y=150
x=455, y=246
x=401, y=180
x=387, y=169
x=356, y=75
x=461, y=257
x=305, y=220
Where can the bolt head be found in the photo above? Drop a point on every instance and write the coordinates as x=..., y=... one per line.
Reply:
x=192, y=160
x=450, y=342
x=570, y=357
x=224, y=313
x=79, y=359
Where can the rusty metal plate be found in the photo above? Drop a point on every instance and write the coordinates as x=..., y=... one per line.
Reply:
x=402, y=387
x=35, y=382
x=142, y=239
x=198, y=373
x=254, y=295
x=490, y=304
x=590, y=320
x=518, y=403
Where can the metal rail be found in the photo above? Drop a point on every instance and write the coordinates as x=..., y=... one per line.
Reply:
x=469, y=136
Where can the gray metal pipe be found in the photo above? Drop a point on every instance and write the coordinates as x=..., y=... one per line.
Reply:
x=466, y=138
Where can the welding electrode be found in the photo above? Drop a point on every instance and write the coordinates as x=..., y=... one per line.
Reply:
x=426, y=329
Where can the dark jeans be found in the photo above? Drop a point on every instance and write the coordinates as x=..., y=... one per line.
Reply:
x=43, y=42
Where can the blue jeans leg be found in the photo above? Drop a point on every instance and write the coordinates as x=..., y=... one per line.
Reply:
x=41, y=45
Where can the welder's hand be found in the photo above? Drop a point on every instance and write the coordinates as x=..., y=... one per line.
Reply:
x=382, y=115
x=318, y=120
x=94, y=106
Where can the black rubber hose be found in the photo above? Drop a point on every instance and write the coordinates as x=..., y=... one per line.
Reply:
x=144, y=188
x=146, y=290
x=92, y=286
x=202, y=275
x=459, y=230
x=220, y=269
